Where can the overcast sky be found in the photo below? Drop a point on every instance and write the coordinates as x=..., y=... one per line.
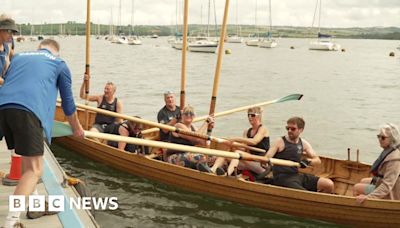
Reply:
x=335, y=13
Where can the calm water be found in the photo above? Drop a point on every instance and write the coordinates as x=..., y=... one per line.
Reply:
x=347, y=96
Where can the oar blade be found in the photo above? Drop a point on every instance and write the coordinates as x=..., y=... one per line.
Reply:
x=61, y=129
x=291, y=97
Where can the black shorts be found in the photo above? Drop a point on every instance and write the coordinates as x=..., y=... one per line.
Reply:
x=23, y=132
x=298, y=181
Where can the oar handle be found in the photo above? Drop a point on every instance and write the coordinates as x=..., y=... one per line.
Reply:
x=274, y=161
x=242, y=145
x=67, y=131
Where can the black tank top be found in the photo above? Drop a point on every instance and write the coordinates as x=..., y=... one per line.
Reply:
x=263, y=144
x=292, y=152
x=104, y=119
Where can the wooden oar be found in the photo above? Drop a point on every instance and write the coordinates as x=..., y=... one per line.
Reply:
x=184, y=50
x=219, y=63
x=61, y=129
x=87, y=65
x=166, y=127
x=227, y=112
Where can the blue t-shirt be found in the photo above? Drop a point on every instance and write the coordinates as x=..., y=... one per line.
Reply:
x=33, y=80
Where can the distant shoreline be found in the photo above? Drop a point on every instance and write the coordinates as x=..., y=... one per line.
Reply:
x=72, y=28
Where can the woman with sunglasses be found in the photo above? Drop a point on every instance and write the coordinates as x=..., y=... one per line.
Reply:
x=189, y=160
x=385, y=183
x=258, y=136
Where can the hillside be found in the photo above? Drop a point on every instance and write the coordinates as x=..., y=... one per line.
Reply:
x=72, y=28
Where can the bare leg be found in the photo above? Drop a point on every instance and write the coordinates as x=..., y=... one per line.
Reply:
x=325, y=185
x=218, y=163
x=366, y=180
x=232, y=165
x=93, y=129
x=123, y=132
x=32, y=168
x=253, y=166
x=359, y=188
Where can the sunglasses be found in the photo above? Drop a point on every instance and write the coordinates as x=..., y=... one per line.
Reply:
x=9, y=31
x=188, y=113
x=382, y=137
x=290, y=128
x=252, y=115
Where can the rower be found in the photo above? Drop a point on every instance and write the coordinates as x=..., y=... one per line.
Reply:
x=170, y=114
x=292, y=147
x=257, y=135
x=190, y=160
x=107, y=101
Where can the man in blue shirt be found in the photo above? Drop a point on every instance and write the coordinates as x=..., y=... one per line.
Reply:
x=27, y=106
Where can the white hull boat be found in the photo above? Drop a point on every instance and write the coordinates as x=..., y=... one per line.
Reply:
x=267, y=43
x=234, y=39
x=203, y=46
x=134, y=41
x=253, y=42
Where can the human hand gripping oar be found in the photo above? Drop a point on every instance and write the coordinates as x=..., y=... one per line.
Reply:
x=61, y=129
x=290, y=97
x=165, y=127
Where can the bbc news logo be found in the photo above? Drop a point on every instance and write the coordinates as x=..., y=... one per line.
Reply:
x=58, y=203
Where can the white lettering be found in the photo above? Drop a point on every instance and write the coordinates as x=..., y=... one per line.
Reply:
x=75, y=203
x=114, y=203
x=50, y=56
x=86, y=203
x=100, y=203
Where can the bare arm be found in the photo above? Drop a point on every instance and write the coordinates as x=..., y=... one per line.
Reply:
x=83, y=95
x=262, y=132
x=76, y=126
x=194, y=140
x=276, y=147
x=207, y=124
x=310, y=153
x=119, y=110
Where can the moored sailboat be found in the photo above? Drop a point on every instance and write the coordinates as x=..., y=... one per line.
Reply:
x=254, y=41
x=324, y=42
x=269, y=41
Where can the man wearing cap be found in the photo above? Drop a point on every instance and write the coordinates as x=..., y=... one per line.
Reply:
x=27, y=108
x=169, y=114
x=7, y=29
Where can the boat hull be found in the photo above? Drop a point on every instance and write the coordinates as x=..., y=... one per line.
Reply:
x=339, y=208
x=268, y=44
x=234, y=39
x=333, y=208
x=252, y=43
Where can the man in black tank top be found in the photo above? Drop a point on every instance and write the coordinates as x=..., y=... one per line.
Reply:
x=169, y=114
x=292, y=147
x=106, y=101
